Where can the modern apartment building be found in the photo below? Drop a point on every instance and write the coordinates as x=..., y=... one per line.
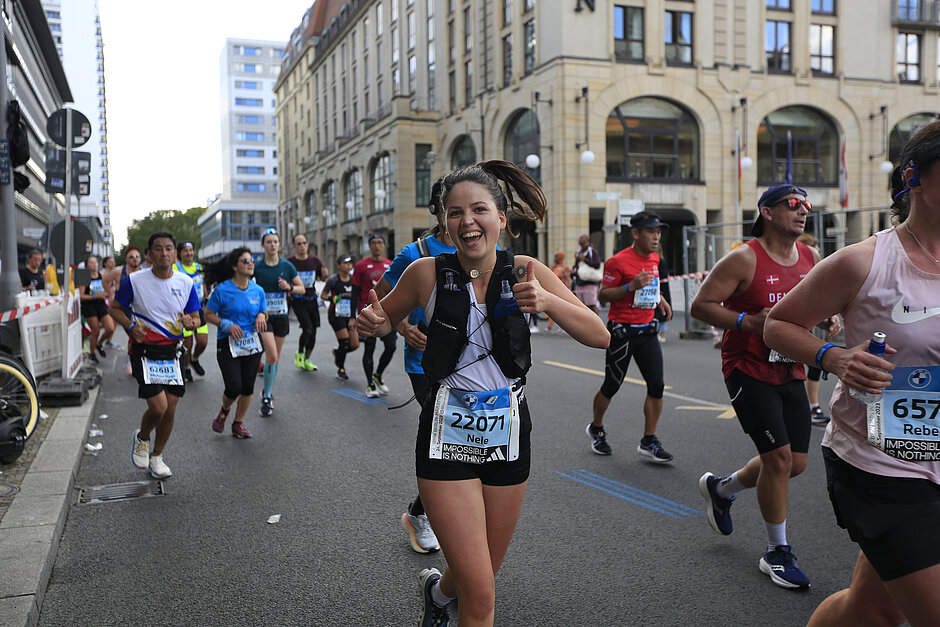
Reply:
x=247, y=205
x=653, y=103
x=76, y=31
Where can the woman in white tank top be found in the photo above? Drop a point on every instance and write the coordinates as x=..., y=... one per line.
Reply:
x=887, y=498
x=474, y=512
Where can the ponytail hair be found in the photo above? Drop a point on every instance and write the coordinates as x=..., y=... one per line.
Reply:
x=224, y=268
x=531, y=204
x=900, y=203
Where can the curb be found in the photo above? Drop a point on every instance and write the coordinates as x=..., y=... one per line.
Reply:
x=31, y=528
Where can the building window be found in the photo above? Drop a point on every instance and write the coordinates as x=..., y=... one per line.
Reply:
x=394, y=35
x=244, y=136
x=938, y=60
x=246, y=152
x=329, y=203
x=467, y=30
x=823, y=6
x=393, y=11
x=908, y=51
x=412, y=71
x=523, y=139
x=529, y=6
x=821, y=48
x=529, y=32
x=247, y=85
x=507, y=12
x=249, y=102
x=678, y=38
x=411, y=30
x=382, y=184
x=628, y=33
x=903, y=131
x=249, y=169
x=468, y=83
x=652, y=139
x=777, y=46
x=311, y=208
x=353, y=195
x=250, y=187
x=909, y=10
x=507, y=60
x=813, y=146
x=464, y=153
x=250, y=119
x=247, y=51
x=781, y=5
x=422, y=174
x=251, y=68
x=452, y=93
x=431, y=83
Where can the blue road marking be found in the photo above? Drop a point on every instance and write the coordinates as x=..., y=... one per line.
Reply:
x=361, y=397
x=631, y=494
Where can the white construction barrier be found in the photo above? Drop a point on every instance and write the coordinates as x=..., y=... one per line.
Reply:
x=41, y=320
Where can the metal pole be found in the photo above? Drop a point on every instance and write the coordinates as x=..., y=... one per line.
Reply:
x=9, y=277
x=67, y=245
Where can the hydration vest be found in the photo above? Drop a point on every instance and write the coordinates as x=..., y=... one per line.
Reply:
x=447, y=330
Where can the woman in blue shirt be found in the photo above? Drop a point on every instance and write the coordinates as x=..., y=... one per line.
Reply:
x=238, y=307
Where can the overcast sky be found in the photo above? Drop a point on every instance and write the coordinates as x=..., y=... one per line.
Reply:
x=162, y=86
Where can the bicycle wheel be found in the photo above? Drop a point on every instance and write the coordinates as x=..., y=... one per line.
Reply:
x=18, y=394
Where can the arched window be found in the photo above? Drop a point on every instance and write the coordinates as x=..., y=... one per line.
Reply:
x=464, y=152
x=814, y=147
x=329, y=203
x=903, y=130
x=310, y=209
x=652, y=139
x=382, y=184
x=353, y=196
x=523, y=139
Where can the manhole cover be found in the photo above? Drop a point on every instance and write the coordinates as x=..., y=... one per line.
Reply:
x=120, y=492
x=8, y=490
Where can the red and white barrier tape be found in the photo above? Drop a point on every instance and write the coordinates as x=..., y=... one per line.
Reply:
x=13, y=314
x=681, y=277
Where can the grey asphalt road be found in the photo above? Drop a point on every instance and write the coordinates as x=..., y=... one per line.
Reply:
x=601, y=540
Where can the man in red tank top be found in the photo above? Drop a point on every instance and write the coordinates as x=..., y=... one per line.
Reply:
x=766, y=389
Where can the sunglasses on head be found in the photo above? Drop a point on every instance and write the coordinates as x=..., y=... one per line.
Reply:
x=269, y=231
x=795, y=203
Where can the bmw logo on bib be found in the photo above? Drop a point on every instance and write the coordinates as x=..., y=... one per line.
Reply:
x=919, y=378
x=470, y=400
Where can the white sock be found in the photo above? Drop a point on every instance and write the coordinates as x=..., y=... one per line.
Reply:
x=437, y=595
x=729, y=486
x=813, y=406
x=776, y=534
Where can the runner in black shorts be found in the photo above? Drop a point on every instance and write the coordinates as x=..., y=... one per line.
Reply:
x=306, y=307
x=94, y=297
x=342, y=296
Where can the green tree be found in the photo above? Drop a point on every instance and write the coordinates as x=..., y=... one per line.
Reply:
x=182, y=224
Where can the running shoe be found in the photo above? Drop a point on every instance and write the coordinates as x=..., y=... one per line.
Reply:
x=654, y=451
x=92, y=358
x=718, y=508
x=240, y=431
x=218, y=425
x=101, y=351
x=198, y=368
x=379, y=384
x=140, y=454
x=372, y=391
x=780, y=565
x=598, y=439
x=188, y=375
x=432, y=615
x=158, y=469
x=299, y=360
x=266, y=407
x=341, y=374
x=308, y=365
x=818, y=416
x=130, y=371
x=419, y=532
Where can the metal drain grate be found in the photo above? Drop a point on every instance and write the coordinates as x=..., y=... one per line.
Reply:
x=120, y=492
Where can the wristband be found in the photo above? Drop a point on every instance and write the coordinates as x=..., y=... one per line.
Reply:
x=130, y=328
x=819, y=357
x=627, y=286
x=740, y=321
x=225, y=324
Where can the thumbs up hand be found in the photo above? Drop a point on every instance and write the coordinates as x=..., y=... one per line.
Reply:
x=530, y=296
x=371, y=318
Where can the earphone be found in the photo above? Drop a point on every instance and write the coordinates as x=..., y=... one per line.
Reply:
x=914, y=181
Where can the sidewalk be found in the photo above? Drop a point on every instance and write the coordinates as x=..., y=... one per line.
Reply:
x=32, y=524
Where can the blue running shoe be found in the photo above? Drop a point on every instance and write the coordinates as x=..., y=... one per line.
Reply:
x=432, y=615
x=718, y=509
x=267, y=407
x=780, y=566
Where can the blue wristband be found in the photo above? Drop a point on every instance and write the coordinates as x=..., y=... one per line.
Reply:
x=225, y=325
x=740, y=320
x=819, y=357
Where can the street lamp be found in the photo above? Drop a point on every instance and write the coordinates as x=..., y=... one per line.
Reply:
x=885, y=167
x=587, y=157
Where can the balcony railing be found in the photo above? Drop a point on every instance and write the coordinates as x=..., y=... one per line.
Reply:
x=377, y=115
x=915, y=13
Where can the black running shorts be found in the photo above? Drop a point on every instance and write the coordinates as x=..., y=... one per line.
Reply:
x=492, y=473
x=279, y=325
x=154, y=351
x=894, y=520
x=772, y=415
x=336, y=322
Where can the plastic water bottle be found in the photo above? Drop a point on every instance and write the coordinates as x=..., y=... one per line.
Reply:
x=506, y=304
x=876, y=347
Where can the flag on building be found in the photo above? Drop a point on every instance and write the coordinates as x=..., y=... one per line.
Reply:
x=843, y=179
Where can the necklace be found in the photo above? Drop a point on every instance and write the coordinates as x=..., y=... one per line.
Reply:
x=474, y=273
x=927, y=252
